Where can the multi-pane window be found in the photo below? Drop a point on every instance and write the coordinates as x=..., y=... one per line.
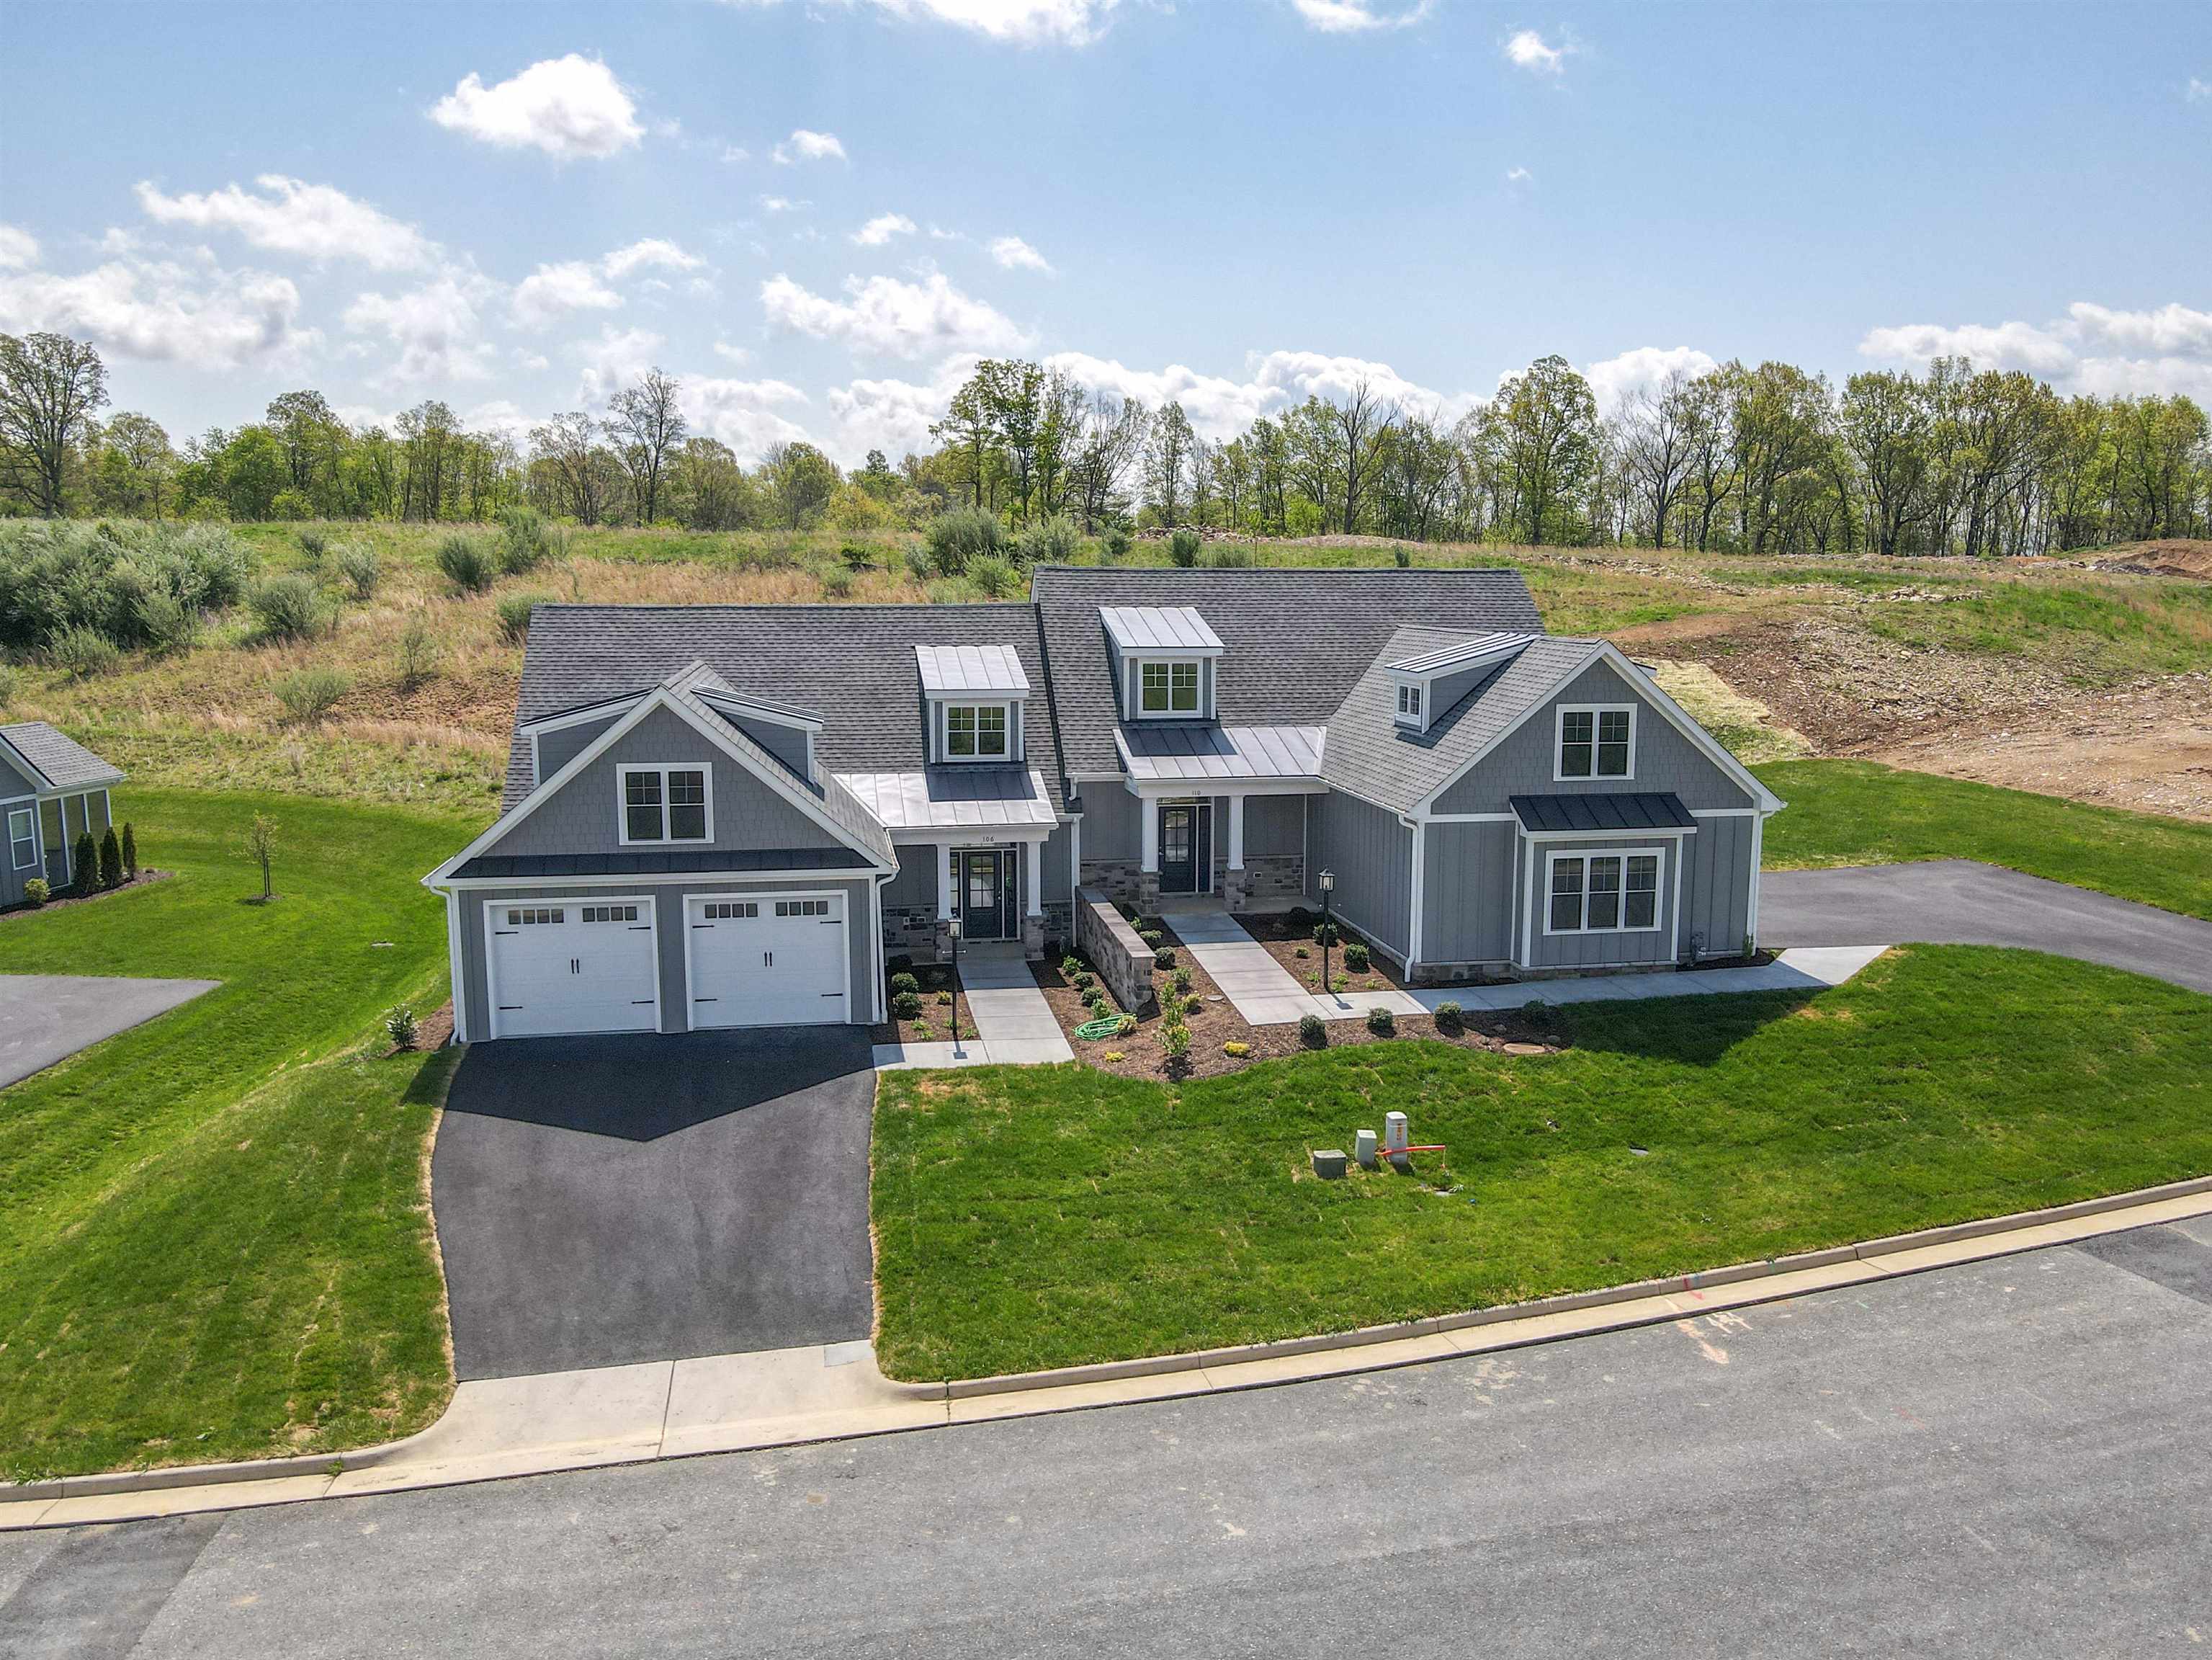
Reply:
x=611, y=913
x=1603, y=892
x=1409, y=703
x=975, y=731
x=1168, y=688
x=535, y=916
x=730, y=910
x=1596, y=742
x=22, y=837
x=802, y=908
x=665, y=804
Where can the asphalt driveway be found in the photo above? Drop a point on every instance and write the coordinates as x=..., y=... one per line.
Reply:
x=45, y=1018
x=602, y=1201
x=1959, y=902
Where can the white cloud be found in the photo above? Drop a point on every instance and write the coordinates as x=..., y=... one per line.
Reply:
x=884, y=314
x=1528, y=50
x=1015, y=254
x=435, y=328
x=2092, y=348
x=567, y=107
x=1220, y=407
x=614, y=360
x=781, y=205
x=1356, y=16
x=730, y=353
x=805, y=146
x=1519, y=176
x=2199, y=90
x=314, y=222
x=165, y=313
x=880, y=229
x=654, y=251
x=733, y=154
x=1617, y=380
x=501, y=415
x=552, y=291
x=891, y=415
x=746, y=415
x=529, y=359
x=19, y=249
x=1021, y=22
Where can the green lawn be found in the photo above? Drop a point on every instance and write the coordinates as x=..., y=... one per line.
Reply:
x=1855, y=812
x=213, y=1239
x=1038, y=1217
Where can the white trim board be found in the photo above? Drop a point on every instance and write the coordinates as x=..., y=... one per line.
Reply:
x=1658, y=855
x=662, y=770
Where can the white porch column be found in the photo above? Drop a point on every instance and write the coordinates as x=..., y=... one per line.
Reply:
x=1237, y=832
x=1149, y=815
x=944, y=851
x=1033, y=880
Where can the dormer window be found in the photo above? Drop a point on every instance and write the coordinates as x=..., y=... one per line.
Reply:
x=1409, y=705
x=976, y=696
x=1168, y=688
x=975, y=731
x=1163, y=661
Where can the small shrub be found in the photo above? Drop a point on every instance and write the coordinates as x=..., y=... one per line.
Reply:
x=1313, y=1031
x=308, y=695
x=1183, y=549
x=401, y=1026
x=1050, y=541
x=357, y=563
x=1326, y=933
x=1095, y=1000
x=918, y=565
x=904, y=982
x=513, y=613
x=466, y=563
x=907, y=1006
x=1071, y=965
x=315, y=542
x=84, y=864
x=1228, y=556
x=954, y=539
x=838, y=585
x=1126, y=1024
x=1175, y=1042
x=1152, y=938
x=1449, y=1016
x=1193, y=1005
x=418, y=654
x=84, y=653
x=1404, y=555
x=857, y=559
x=110, y=860
x=130, y=852
x=1382, y=1022
x=1084, y=982
x=1300, y=951
x=523, y=543
x=1164, y=957
x=994, y=577
x=944, y=999
x=1180, y=981
x=7, y=685
x=1116, y=544
x=290, y=607
x=36, y=892
x=1355, y=957
x=169, y=625
x=1235, y=1050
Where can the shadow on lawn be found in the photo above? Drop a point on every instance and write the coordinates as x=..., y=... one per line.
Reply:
x=1690, y=1032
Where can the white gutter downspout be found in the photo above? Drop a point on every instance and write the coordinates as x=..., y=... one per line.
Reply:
x=1421, y=863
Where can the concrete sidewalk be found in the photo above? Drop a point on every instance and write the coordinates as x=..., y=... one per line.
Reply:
x=1014, y=1025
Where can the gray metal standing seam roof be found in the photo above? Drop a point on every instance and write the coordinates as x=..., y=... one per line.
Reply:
x=62, y=762
x=1158, y=628
x=1297, y=639
x=1647, y=810
x=1183, y=750
x=971, y=668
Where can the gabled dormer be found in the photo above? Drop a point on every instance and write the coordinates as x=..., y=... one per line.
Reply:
x=976, y=697
x=1423, y=688
x=1163, y=661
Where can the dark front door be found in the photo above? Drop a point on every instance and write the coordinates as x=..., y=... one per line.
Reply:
x=984, y=879
x=1186, y=847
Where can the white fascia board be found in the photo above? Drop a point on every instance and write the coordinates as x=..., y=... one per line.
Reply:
x=583, y=716
x=818, y=875
x=1153, y=789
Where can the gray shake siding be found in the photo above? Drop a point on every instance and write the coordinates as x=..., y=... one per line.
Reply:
x=585, y=816
x=1372, y=856
x=557, y=748
x=669, y=926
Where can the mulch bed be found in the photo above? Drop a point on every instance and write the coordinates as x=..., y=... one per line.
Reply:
x=62, y=899
x=935, y=1026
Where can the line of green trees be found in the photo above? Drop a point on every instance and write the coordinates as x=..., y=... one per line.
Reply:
x=1759, y=459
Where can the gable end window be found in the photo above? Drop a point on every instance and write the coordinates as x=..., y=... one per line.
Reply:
x=22, y=837
x=976, y=731
x=1167, y=688
x=666, y=804
x=1596, y=742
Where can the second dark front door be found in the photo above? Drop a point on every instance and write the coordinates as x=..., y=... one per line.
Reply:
x=984, y=880
x=1185, y=850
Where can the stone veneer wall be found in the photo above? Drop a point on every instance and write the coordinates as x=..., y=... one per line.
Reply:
x=1124, y=962
x=1278, y=877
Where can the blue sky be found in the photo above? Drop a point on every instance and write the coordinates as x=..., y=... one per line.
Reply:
x=514, y=208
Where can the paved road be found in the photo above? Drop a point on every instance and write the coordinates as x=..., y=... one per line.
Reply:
x=1959, y=902
x=45, y=1018
x=606, y=1200
x=2008, y=1459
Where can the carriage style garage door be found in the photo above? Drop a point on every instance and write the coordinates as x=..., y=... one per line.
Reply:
x=561, y=965
x=767, y=959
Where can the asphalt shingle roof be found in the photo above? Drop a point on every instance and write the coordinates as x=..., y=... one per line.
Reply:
x=62, y=762
x=1296, y=640
x=1370, y=756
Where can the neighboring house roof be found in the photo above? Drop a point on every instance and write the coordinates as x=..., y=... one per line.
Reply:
x=503, y=866
x=852, y=667
x=951, y=797
x=61, y=762
x=1369, y=755
x=971, y=668
x=1193, y=751
x=1639, y=812
x=1296, y=640
x=1158, y=628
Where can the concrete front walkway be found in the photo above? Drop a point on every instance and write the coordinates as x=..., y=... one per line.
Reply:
x=1014, y=1025
x=1265, y=995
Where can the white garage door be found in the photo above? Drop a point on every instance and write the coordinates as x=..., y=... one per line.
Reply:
x=767, y=959
x=561, y=965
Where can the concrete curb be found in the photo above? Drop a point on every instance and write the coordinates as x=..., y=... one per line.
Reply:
x=1218, y=1371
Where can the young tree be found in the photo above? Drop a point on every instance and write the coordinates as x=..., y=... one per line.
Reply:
x=1167, y=461
x=260, y=844
x=800, y=479
x=563, y=446
x=110, y=860
x=1655, y=448
x=969, y=432
x=135, y=462
x=1363, y=423
x=1885, y=419
x=1113, y=436
x=50, y=387
x=645, y=426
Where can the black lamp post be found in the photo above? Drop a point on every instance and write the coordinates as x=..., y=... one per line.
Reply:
x=1327, y=929
x=955, y=926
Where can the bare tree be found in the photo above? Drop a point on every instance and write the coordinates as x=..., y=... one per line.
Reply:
x=564, y=445
x=1363, y=423
x=647, y=426
x=1113, y=437
x=1655, y=447
x=50, y=385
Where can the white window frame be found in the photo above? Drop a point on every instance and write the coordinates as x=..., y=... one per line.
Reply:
x=1658, y=855
x=1597, y=712
x=1197, y=667
x=1411, y=696
x=622, y=775
x=31, y=813
x=1011, y=709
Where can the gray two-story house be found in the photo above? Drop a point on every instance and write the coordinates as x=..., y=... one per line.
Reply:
x=735, y=816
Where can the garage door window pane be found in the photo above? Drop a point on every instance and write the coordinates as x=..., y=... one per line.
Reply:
x=687, y=806
x=641, y=803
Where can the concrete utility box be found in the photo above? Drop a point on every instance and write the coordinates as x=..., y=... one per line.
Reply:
x=1364, y=1146
x=1329, y=1162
